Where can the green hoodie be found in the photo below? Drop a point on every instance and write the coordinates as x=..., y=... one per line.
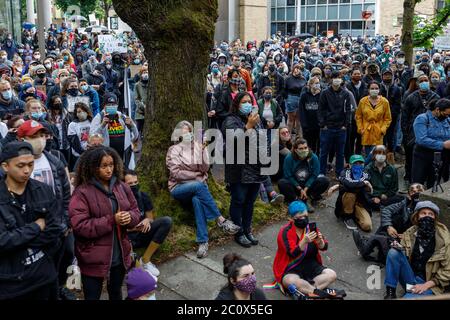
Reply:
x=384, y=182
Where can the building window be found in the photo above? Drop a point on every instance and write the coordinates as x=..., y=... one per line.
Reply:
x=345, y=1
x=311, y=28
x=356, y=11
x=440, y=4
x=310, y=13
x=281, y=14
x=311, y=2
x=281, y=27
x=357, y=25
x=303, y=27
x=344, y=12
x=332, y=12
x=290, y=14
x=274, y=14
x=291, y=26
x=274, y=3
x=322, y=28
x=281, y=3
x=322, y=13
x=291, y=2
x=332, y=1
x=273, y=28
x=321, y=1
x=344, y=25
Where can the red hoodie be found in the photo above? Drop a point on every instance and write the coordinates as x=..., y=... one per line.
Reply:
x=289, y=254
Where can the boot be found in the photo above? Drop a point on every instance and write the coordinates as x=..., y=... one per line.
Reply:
x=361, y=243
x=390, y=158
x=390, y=293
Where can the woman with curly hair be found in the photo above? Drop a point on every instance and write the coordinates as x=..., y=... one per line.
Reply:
x=101, y=210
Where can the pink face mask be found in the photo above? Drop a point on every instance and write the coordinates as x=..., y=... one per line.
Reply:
x=247, y=285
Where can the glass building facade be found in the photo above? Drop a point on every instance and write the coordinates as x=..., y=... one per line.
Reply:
x=10, y=18
x=319, y=16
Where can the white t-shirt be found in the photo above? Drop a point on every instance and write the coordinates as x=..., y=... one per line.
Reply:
x=3, y=130
x=43, y=172
x=267, y=113
x=81, y=130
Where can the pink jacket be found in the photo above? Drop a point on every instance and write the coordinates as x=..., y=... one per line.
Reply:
x=187, y=163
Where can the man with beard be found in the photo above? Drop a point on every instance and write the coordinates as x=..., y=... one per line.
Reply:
x=150, y=233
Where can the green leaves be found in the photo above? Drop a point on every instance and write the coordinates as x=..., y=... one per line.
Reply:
x=423, y=36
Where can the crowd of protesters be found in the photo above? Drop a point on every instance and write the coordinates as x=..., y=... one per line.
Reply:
x=342, y=110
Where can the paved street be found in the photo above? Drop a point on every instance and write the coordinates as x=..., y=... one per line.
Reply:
x=187, y=277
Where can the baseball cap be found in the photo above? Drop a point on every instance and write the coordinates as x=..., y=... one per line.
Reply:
x=356, y=158
x=296, y=207
x=428, y=205
x=110, y=98
x=139, y=283
x=15, y=149
x=30, y=128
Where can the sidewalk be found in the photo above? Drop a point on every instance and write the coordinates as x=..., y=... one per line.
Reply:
x=187, y=277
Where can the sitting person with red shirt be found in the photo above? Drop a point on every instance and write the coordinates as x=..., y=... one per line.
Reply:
x=298, y=264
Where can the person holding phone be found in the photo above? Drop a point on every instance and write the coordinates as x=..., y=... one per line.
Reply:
x=101, y=210
x=298, y=261
x=119, y=131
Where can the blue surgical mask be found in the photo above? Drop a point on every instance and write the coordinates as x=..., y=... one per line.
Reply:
x=137, y=61
x=7, y=95
x=39, y=115
x=357, y=171
x=112, y=109
x=246, y=108
x=424, y=86
x=85, y=88
x=215, y=70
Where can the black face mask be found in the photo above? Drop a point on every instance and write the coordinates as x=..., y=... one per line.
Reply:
x=301, y=223
x=135, y=190
x=41, y=75
x=272, y=68
x=73, y=92
x=427, y=228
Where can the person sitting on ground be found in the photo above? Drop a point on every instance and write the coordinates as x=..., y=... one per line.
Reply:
x=187, y=183
x=150, y=233
x=395, y=220
x=298, y=261
x=422, y=258
x=301, y=176
x=383, y=178
x=241, y=280
x=353, y=201
x=284, y=148
x=140, y=285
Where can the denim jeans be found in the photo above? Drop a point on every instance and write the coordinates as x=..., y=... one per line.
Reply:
x=398, y=270
x=204, y=206
x=330, y=138
x=243, y=198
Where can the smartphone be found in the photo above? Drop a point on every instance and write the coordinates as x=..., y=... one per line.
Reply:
x=313, y=227
x=409, y=287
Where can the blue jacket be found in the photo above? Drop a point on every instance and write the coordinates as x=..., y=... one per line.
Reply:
x=430, y=132
x=95, y=101
x=291, y=166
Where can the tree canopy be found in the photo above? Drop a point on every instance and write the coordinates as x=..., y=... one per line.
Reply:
x=423, y=36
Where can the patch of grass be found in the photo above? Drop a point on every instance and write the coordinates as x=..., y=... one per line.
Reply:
x=182, y=236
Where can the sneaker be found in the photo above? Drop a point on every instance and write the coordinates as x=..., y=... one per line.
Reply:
x=277, y=199
x=310, y=206
x=202, y=250
x=350, y=224
x=66, y=294
x=335, y=293
x=252, y=239
x=228, y=227
x=150, y=268
x=360, y=242
x=243, y=241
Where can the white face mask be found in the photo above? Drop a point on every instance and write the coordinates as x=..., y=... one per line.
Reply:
x=188, y=137
x=374, y=93
x=401, y=60
x=38, y=145
x=380, y=158
x=337, y=82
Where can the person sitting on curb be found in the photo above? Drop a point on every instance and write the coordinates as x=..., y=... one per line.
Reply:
x=140, y=285
x=301, y=176
x=353, y=200
x=241, y=280
x=383, y=178
x=395, y=220
x=298, y=261
x=420, y=262
x=150, y=233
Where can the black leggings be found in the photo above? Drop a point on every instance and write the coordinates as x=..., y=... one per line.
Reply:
x=92, y=286
x=314, y=192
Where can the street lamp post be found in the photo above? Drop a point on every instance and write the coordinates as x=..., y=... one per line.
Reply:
x=298, y=24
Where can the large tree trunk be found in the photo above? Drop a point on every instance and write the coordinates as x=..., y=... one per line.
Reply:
x=177, y=36
x=407, y=30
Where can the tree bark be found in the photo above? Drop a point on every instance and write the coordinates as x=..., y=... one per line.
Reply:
x=407, y=29
x=177, y=36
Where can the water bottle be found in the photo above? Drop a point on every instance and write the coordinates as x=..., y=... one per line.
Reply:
x=296, y=293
